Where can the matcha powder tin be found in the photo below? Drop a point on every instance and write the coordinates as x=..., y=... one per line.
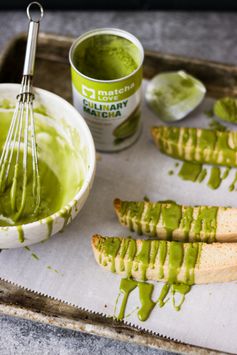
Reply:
x=106, y=68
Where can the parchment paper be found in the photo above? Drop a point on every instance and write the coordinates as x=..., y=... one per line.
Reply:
x=208, y=316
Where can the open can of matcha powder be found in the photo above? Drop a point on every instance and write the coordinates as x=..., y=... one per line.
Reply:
x=106, y=68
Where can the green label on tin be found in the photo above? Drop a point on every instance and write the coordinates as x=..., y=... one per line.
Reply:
x=106, y=92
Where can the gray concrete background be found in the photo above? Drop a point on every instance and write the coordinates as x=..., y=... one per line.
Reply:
x=205, y=35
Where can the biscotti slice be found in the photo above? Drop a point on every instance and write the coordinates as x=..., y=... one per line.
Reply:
x=197, y=145
x=170, y=221
x=173, y=262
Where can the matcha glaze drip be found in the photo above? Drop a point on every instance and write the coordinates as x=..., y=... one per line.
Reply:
x=127, y=286
x=196, y=173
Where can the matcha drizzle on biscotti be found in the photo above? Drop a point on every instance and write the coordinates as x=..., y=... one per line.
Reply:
x=142, y=259
x=150, y=256
x=197, y=145
x=168, y=220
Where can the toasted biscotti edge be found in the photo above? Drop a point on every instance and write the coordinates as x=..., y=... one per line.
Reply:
x=117, y=206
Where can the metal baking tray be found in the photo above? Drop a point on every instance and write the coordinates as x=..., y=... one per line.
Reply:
x=53, y=74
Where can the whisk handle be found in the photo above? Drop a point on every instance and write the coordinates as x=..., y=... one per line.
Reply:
x=32, y=38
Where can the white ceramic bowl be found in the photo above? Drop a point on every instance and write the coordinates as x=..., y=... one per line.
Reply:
x=60, y=110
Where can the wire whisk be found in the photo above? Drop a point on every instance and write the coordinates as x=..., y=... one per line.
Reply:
x=19, y=158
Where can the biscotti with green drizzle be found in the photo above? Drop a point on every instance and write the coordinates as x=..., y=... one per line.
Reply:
x=170, y=221
x=197, y=145
x=173, y=262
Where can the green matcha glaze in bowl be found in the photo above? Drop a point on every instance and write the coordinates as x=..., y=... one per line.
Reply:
x=66, y=155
